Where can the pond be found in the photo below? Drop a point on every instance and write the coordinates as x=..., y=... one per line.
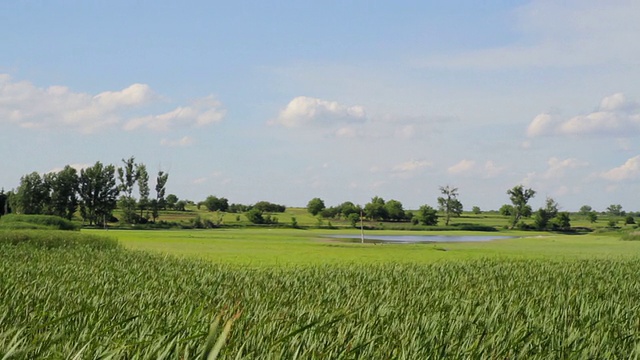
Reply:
x=412, y=239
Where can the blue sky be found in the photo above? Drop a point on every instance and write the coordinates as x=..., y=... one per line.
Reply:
x=344, y=100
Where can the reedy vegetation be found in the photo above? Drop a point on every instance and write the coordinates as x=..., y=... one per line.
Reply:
x=76, y=300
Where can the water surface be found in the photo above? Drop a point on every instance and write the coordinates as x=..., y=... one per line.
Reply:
x=411, y=239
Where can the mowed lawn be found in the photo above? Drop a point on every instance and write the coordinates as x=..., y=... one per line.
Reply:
x=283, y=247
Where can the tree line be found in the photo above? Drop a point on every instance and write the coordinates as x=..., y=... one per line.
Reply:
x=548, y=217
x=94, y=191
x=380, y=210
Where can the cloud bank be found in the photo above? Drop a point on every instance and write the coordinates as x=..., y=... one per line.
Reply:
x=28, y=106
x=615, y=116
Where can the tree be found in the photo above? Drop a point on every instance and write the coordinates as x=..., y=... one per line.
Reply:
x=143, y=188
x=592, y=216
x=585, y=210
x=394, y=210
x=506, y=210
x=629, y=220
x=519, y=197
x=255, y=216
x=375, y=209
x=180, y=205
x=615, y=210
x=4, y=203
x=171, y=201
x=159, y=202
x=98, y=193
x=161, y=184
x=128, y=176
x=353, y=218
x=315, y=206
x=427, y=215
x=266, y=206
x=347, y=208
x=476, y=210
x=64, y=192
x=330, y=213
x=32, y=195
x=449, y=204
x=544, y=215
x=562, y=221
x=213, y=203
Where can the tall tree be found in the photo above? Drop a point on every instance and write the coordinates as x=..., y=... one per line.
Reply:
x=32, y=195
x=159, y=202
x=375, y=209
x=98, y=193
x=315, y=206
x=394, y=209
x=128, y=175
x=519, y=197
x=585, y=209
x=143, y=187
x=615, y=210
x=4, y=203
x=64, y=190
x=427, y=215
x=161, y=188
x=544, y=215
x=213, y=203
x=449, y=203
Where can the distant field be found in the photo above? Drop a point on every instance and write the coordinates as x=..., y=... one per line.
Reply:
x=270, y=247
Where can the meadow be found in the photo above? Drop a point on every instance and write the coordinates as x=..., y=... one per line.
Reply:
x=259, y=247
x=277, y=293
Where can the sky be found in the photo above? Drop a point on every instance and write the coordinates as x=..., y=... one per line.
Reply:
x=284, y=101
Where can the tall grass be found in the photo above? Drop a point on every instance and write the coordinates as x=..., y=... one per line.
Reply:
x=78, y=302
x=36, y=222
x=48, y=239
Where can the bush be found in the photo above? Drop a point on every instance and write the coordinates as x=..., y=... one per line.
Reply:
x=43, y=222
x=473, y=227
x=56, y=239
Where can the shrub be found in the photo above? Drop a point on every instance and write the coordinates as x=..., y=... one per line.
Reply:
x=15, y=221
x=55, y=239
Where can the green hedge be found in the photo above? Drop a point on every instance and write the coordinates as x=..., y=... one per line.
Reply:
x=14, y=222
x=49, y=239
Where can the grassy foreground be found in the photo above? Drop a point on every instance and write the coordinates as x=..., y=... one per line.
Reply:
x=75, y=300
x=119, y=304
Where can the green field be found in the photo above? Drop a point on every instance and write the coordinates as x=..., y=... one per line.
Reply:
x=293, y=293
x=282, y=247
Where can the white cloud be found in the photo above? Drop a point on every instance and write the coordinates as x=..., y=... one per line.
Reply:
x=615, y=116
x=201, y=112
x=629, y=170
x=29, y=106
x=184, y=141
x=32, y=107
x=304, y=110
x=461, y=167
x=557, y=167
x=411, y=165
x=540, y=125
x=556, y=170
x=199, y=180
